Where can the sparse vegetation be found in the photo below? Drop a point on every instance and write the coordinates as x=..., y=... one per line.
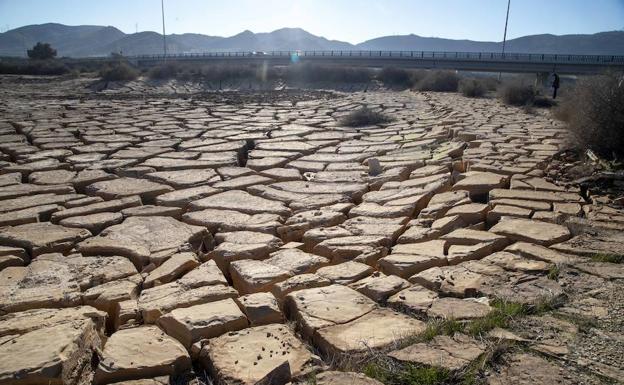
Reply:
x=553, y=272
x=119, y=71
x=594, y=113
x=406, y=374
x=308, y=72
x=41, y=51
x=439, y=81
x=39, y=67
x=399, y=77
x=611, y=258
x=364, y=117
x=472, y=88
x=515, y=93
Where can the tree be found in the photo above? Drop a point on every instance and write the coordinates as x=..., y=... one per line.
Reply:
x=41, y=51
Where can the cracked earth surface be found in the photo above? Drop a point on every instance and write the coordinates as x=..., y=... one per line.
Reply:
x=157, y=234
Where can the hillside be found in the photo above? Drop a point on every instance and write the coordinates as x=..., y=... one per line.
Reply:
x=89, y=40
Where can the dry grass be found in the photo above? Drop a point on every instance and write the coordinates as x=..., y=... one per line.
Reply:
x=594, y=113
x=364, y=117
x=472, y=88
x=516, y=93
x=119, y=72
x=33, y=67
x=439, y=81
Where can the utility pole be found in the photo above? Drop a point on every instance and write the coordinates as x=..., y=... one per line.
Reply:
x=162, y=5
x=505, y=33
x=506, y=21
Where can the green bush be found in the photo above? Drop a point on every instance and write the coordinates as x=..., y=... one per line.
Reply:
x=364, y=117
x=41, y=51
x=396, y=77
x=119, y=72
x=594, y=113
x=439, y=81
x=516, y=93
x=472, y=88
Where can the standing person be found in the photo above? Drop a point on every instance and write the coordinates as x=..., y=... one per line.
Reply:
x=555, y=85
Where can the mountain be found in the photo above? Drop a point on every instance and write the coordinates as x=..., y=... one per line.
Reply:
x=91, y=40
x=83, y=40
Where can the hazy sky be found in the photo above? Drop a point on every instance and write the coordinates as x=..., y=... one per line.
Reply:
x=348, y=20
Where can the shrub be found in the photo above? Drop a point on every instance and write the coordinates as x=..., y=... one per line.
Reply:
x=41, y=51
x=164, y=71
x=364, y=117
x=40, y=67
x=119, y=72
x=309, y=72
x=439, y=81
x=594, y=113
x=393, y=76
x=472, y=88
x=516, y=93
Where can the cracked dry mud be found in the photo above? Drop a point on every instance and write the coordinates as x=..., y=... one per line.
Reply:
x=157, y=234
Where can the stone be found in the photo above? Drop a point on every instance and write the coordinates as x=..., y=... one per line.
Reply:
x=297, y=261
x=173, y=268
x=140, y=352
x=208, y=320
x=452, y=353
x=181, y=198
x=240, y=201
x=152, y=211
x=162, y=299
x=248, y=356
x=95, y=223
x=379, y=287
x=345, y=273
x=526, y=230
x=208, y=273
x=509, y=261
x=142, y=239
x=470, y=213
x=479, y=184
x=298, y=282
x=260, y=308
x=319, y=307
x=239, y=245
x=455, y=281
x=369, y=331
x=409, y=259
x=541, y=253
x=364, y=249
x=229, y=220
x=30, y=320
x=41, y=238
x=54, y=355
x=252, y=276
x=526, y=369
x=106, y=296
x=457, y=309
x=413, y=300
x=295, y=226
x=184, y=178
x=98, y=207
x=124, y=187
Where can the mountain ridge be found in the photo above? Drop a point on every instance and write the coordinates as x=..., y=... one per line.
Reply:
x=93, y=40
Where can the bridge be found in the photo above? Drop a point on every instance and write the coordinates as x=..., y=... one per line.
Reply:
x=462, y=61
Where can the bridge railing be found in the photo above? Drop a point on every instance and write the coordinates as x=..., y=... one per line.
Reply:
x=429, y=55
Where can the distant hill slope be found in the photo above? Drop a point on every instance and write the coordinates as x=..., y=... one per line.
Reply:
x=90, y=40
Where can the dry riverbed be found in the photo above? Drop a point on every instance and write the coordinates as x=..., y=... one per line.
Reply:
x=162, y=234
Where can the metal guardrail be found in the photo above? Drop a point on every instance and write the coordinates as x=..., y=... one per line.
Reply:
x=431, y=55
